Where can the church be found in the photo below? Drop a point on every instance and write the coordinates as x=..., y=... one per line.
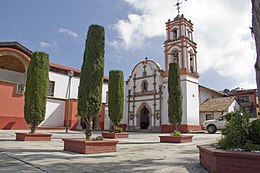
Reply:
x=146, y=89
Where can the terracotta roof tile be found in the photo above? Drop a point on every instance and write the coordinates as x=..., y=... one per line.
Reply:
x=216, y=104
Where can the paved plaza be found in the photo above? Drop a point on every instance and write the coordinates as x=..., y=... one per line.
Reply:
x=141, y=152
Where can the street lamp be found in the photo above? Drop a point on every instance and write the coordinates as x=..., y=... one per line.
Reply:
x=70, y=74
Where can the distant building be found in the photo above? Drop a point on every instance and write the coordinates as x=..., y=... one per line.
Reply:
x=216, y=107
x=207, y=93
x=248, y=100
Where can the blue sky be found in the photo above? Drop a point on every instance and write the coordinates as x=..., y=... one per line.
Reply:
x=134, y=30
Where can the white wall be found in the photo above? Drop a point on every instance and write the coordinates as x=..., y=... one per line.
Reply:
x=215, y=115
x=12, y=76
x=234, y=106
x=205, y=94
x=55, y=110
x=104, y=92
x=165, y=119
x=107, y=122
x=190, y=101
x=61, y=85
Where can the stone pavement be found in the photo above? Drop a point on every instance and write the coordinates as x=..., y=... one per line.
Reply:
x=141, y=152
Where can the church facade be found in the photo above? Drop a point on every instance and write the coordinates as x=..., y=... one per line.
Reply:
x=146, y=90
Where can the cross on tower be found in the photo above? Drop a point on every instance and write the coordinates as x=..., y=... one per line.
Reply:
x=178, y=5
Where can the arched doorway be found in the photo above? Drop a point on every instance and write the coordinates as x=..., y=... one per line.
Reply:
x=144, y=120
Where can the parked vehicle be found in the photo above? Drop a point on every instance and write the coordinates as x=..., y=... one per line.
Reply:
x=217, y=124
x=213, y=125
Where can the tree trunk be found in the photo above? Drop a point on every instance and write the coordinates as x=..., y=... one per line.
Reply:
x=175, y=127
x=256, y=32
x=33, y=127
x=89, y=127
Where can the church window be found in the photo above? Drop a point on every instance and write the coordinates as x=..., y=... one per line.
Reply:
x=189, y=34
x=191, y=65
x=176, y=56
x=175, y=32
x=144, y=86
x=192, y=62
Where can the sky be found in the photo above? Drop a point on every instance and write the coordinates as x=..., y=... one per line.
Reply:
x=135, y=29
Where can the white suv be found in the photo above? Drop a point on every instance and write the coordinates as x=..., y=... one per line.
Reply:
x=213, y=125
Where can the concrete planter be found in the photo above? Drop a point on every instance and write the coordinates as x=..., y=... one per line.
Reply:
x=32, y=137
x=114, y=135
x=176, y=139
x=222, y=161
x=89, y=147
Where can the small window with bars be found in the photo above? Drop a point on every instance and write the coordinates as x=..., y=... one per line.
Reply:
x=51, y=88
x=20, y=89
x=209, y=117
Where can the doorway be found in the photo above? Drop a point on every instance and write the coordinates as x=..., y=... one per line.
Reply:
x=144, y=120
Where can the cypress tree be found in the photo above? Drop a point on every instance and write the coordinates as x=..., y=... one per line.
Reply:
x=36, y=89
x=175, y=95
x=91, y=78
x=116, y=96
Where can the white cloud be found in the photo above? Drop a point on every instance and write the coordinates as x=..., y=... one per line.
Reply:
x=221, y=32
x=44, y=44
x=68, y=32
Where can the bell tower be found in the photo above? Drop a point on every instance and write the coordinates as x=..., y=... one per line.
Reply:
x=180, y=47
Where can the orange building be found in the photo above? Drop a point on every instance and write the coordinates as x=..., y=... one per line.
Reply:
x=14, y=61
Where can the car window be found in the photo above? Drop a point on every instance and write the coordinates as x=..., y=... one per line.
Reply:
x=221, y=118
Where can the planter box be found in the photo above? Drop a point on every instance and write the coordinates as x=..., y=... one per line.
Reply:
x=222, y=161
x=114, y=135
x=89, y=147
x=176, y=139
x=32, y=137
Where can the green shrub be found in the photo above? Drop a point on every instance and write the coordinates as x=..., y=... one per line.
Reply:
x=116, y=130
x=254, y=132
x=229, y=115
x=35, y=96
x=235, y=134
x=176, y=133
x=91, y=77
x=249, y=146
x=116, y=96
x=174, y=96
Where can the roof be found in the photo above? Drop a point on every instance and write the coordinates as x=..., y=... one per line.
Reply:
x=18, y=46
x=53, y=67
x=216, y=104
x=218, y=92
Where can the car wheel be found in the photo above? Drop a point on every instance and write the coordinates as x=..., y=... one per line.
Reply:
x=211, y=129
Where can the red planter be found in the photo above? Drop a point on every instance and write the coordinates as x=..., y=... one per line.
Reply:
x=222, y=161
x=32, y=137
x=176, y=139
x=114, y=135
x=89, y=147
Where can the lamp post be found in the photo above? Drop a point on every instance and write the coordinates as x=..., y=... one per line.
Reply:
x=70, y=74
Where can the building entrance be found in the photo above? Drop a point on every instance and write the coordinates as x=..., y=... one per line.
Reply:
x=144, y=120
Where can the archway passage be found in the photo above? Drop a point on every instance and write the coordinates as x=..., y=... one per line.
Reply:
x=144, y=120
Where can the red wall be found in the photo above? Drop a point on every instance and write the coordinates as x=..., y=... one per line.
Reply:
x=184, y=128
x=73, y=115
x=11, y=107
